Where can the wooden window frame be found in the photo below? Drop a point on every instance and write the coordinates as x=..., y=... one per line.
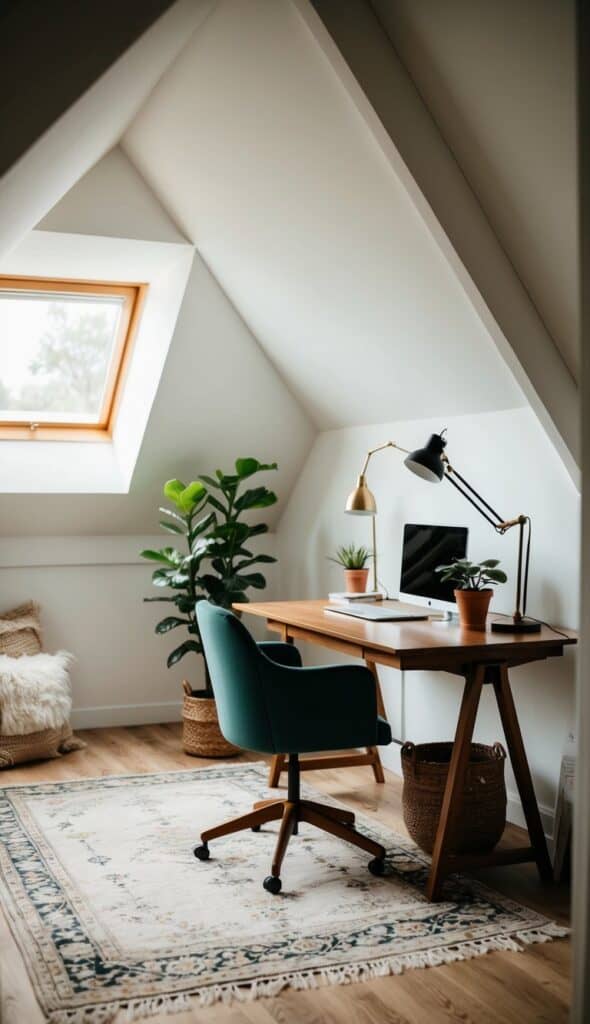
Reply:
x=134, y=297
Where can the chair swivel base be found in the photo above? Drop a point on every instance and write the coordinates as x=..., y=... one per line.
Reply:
x=335, y=820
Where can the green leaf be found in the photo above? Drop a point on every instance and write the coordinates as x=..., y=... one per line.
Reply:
x=247, y=467
x=173, y=489
x=191, y=496
x=497, y=575
x=168, y=556
x=209, y=480
x=203, y=524
x=490, y=563
x=255, y=531
x=171, y=527
x=253, y=561
x=174, y=515
x=257, y=497
x=234, y=532
x=171, y=622
x=216, y=504
x=253, y=579
x=179, y=652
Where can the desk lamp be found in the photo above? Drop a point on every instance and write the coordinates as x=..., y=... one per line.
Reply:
x=361, y=501
x=431, y=464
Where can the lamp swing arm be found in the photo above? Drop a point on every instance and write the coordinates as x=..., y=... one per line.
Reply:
x=501, y=526
x=379, y=448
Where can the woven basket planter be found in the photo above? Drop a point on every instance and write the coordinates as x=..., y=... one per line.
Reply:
x=482, y=817
x=201, y=735
x=38, y=746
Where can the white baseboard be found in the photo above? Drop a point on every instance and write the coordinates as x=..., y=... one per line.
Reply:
x=391, y=758
x=126, y=714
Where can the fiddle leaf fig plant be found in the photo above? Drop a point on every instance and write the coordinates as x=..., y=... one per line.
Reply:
x=232, y=561
x=210, y=528
x=179, y=568
x=472, y=575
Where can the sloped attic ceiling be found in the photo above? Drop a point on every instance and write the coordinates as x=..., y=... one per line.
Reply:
x=69, y=146
x=513, y=132
x=263, y=161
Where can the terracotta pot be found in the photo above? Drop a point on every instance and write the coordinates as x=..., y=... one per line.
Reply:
x=473, y=608
x=355, y=580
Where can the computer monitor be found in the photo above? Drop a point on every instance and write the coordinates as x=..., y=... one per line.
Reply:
x=424, y=548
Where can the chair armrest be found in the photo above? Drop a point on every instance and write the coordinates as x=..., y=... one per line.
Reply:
x=325, y=708
x=281, y=653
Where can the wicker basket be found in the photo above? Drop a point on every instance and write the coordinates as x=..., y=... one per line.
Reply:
x=37, y=746
x=201, y=735
x=482, y=817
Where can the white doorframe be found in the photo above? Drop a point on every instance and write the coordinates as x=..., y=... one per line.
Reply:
x=580, y=1012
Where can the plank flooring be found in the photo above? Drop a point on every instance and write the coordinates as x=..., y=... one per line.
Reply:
x=498, y=988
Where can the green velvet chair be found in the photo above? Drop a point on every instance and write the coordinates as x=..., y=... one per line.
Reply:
x=268, y=703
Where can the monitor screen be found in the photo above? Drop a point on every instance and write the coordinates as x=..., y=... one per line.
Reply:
x=424, y=548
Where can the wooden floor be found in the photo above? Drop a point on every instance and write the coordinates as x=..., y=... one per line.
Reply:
x=504, y=988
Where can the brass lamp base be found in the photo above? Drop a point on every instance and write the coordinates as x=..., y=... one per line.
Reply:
x=516, y=626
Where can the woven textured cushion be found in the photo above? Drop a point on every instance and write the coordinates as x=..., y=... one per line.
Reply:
x=20, y=631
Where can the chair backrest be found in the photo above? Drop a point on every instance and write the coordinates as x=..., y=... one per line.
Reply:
x=236, y=668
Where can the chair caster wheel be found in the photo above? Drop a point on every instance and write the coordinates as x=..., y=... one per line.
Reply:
x=256, y=828
x=202, y=852
x=272, y=884
x=377, y=866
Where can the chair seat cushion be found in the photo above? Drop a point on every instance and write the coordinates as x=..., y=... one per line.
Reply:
x=384, y=735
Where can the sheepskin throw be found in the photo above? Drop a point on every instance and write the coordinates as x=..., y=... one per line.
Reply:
x=34, y=692
x=20, y=632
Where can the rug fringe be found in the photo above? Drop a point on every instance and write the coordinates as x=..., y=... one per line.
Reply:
x=346, y=974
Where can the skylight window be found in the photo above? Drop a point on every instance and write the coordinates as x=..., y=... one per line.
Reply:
x=63, y=347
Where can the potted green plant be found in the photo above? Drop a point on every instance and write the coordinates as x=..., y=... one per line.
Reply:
x=354, y=562
x=190, y=521
x=211, y=529
x=473, y=592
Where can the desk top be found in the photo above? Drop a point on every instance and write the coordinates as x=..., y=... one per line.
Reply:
x=408, y=644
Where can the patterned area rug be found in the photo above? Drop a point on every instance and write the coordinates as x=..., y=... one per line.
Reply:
x=110, y=908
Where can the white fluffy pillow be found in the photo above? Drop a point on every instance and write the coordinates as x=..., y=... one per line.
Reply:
x=34, y=692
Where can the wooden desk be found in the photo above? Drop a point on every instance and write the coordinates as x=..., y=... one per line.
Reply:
x=480, y=658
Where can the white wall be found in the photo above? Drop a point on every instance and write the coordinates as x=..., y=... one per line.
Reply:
x=112, y=199
x=91, y=592
x=508, y=458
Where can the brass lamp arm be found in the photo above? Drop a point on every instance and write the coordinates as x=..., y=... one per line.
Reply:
x=380, y=447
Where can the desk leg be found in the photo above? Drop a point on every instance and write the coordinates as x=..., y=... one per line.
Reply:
x=374, y=751
x=522, y=773
x=453, y=794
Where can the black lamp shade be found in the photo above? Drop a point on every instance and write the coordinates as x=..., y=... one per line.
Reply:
x=427, y=462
